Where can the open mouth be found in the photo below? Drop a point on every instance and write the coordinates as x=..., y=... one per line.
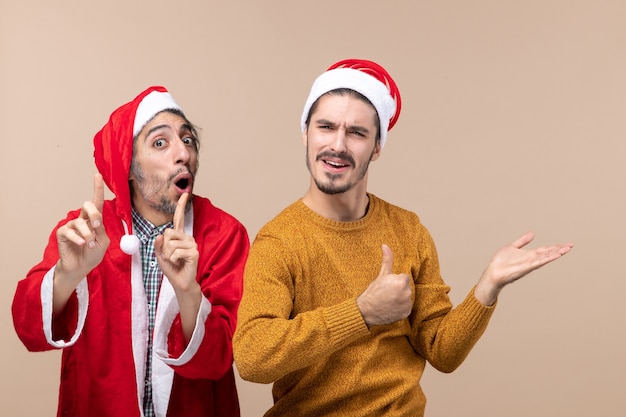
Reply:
x=183, y=182
x=335, y=164
x=335, y=161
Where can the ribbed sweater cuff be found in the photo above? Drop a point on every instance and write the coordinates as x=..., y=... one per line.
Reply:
x=346, y=323
x=476, y=313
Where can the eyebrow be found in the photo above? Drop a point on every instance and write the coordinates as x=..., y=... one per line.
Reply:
x=356, y=128
x=184, y=127
x=155, y=128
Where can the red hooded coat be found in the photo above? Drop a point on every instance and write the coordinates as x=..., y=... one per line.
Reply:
x=103, y=330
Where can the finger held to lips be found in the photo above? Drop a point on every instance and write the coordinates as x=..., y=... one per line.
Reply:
x=179, y=213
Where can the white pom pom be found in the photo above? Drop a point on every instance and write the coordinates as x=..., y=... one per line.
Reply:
x=129, y=244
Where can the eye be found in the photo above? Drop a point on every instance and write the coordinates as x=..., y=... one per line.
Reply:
x=189, y=140
x=159, y=143
x=357, y=133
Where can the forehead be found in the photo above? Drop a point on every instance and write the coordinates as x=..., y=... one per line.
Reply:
x=164, y=119
x=339, y=106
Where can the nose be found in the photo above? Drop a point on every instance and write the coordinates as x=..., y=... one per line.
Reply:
x=181, y=152
x=338, y=143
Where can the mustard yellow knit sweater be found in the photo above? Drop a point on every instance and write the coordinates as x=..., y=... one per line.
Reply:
x=299, y=325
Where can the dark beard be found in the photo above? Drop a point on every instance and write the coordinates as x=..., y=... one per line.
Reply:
x=330, y=188
x=164, y=205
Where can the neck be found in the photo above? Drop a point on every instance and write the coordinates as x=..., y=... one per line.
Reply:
x=154, y=216
x=344, y=207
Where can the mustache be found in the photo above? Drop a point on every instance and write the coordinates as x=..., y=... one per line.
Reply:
x=185, y=170
x=328, y=154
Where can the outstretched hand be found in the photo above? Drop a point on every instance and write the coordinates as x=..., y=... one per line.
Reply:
x=512, y=262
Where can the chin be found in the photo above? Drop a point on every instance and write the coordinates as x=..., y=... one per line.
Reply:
x=332, y=189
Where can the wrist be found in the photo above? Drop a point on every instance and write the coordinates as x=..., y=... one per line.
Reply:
x=486, y=292
x=362, y=305
x=191, y=293
x=66, y=277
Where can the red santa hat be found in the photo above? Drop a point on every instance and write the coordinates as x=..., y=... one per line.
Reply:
x=367, y=78
x=113, y=151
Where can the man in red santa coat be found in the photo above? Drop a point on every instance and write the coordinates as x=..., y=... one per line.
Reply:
x=141, y=292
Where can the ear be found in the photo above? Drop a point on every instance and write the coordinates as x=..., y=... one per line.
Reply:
x=376, y=153
x=132, y=184
x=305, y=136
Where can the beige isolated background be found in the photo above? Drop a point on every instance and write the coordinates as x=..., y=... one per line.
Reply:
x=512, y=120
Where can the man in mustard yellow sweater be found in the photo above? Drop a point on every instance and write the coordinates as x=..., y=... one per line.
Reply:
x=343, y=300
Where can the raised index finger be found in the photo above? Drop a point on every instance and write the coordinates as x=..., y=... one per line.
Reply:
x=179, y=213
x=98, y=192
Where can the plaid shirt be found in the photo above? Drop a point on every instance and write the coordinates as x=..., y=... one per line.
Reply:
x=152, y=277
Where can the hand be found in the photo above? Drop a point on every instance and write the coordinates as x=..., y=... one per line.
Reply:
x=83, y=241
x=177, y=252
x=389, y=297
x=177, y=255
x=512, y=263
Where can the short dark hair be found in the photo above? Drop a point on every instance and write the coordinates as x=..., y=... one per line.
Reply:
x=346, y=92
x=192, y=127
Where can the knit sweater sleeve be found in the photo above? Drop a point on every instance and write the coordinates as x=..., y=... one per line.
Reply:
x=270, y=340
x=441, y=334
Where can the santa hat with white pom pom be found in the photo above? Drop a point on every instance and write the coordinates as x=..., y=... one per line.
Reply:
x=113, y=151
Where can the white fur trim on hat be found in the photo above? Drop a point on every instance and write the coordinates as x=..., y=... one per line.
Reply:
x=375, y=91
x=153, y=103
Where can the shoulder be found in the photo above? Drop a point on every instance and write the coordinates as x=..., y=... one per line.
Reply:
x=204, y=209
x=407, y=224
x=394, y=212
x=404, y=222
x=284, y=223
x=207, y=216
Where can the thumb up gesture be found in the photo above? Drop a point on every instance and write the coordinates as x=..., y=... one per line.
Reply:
x=389, y=297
